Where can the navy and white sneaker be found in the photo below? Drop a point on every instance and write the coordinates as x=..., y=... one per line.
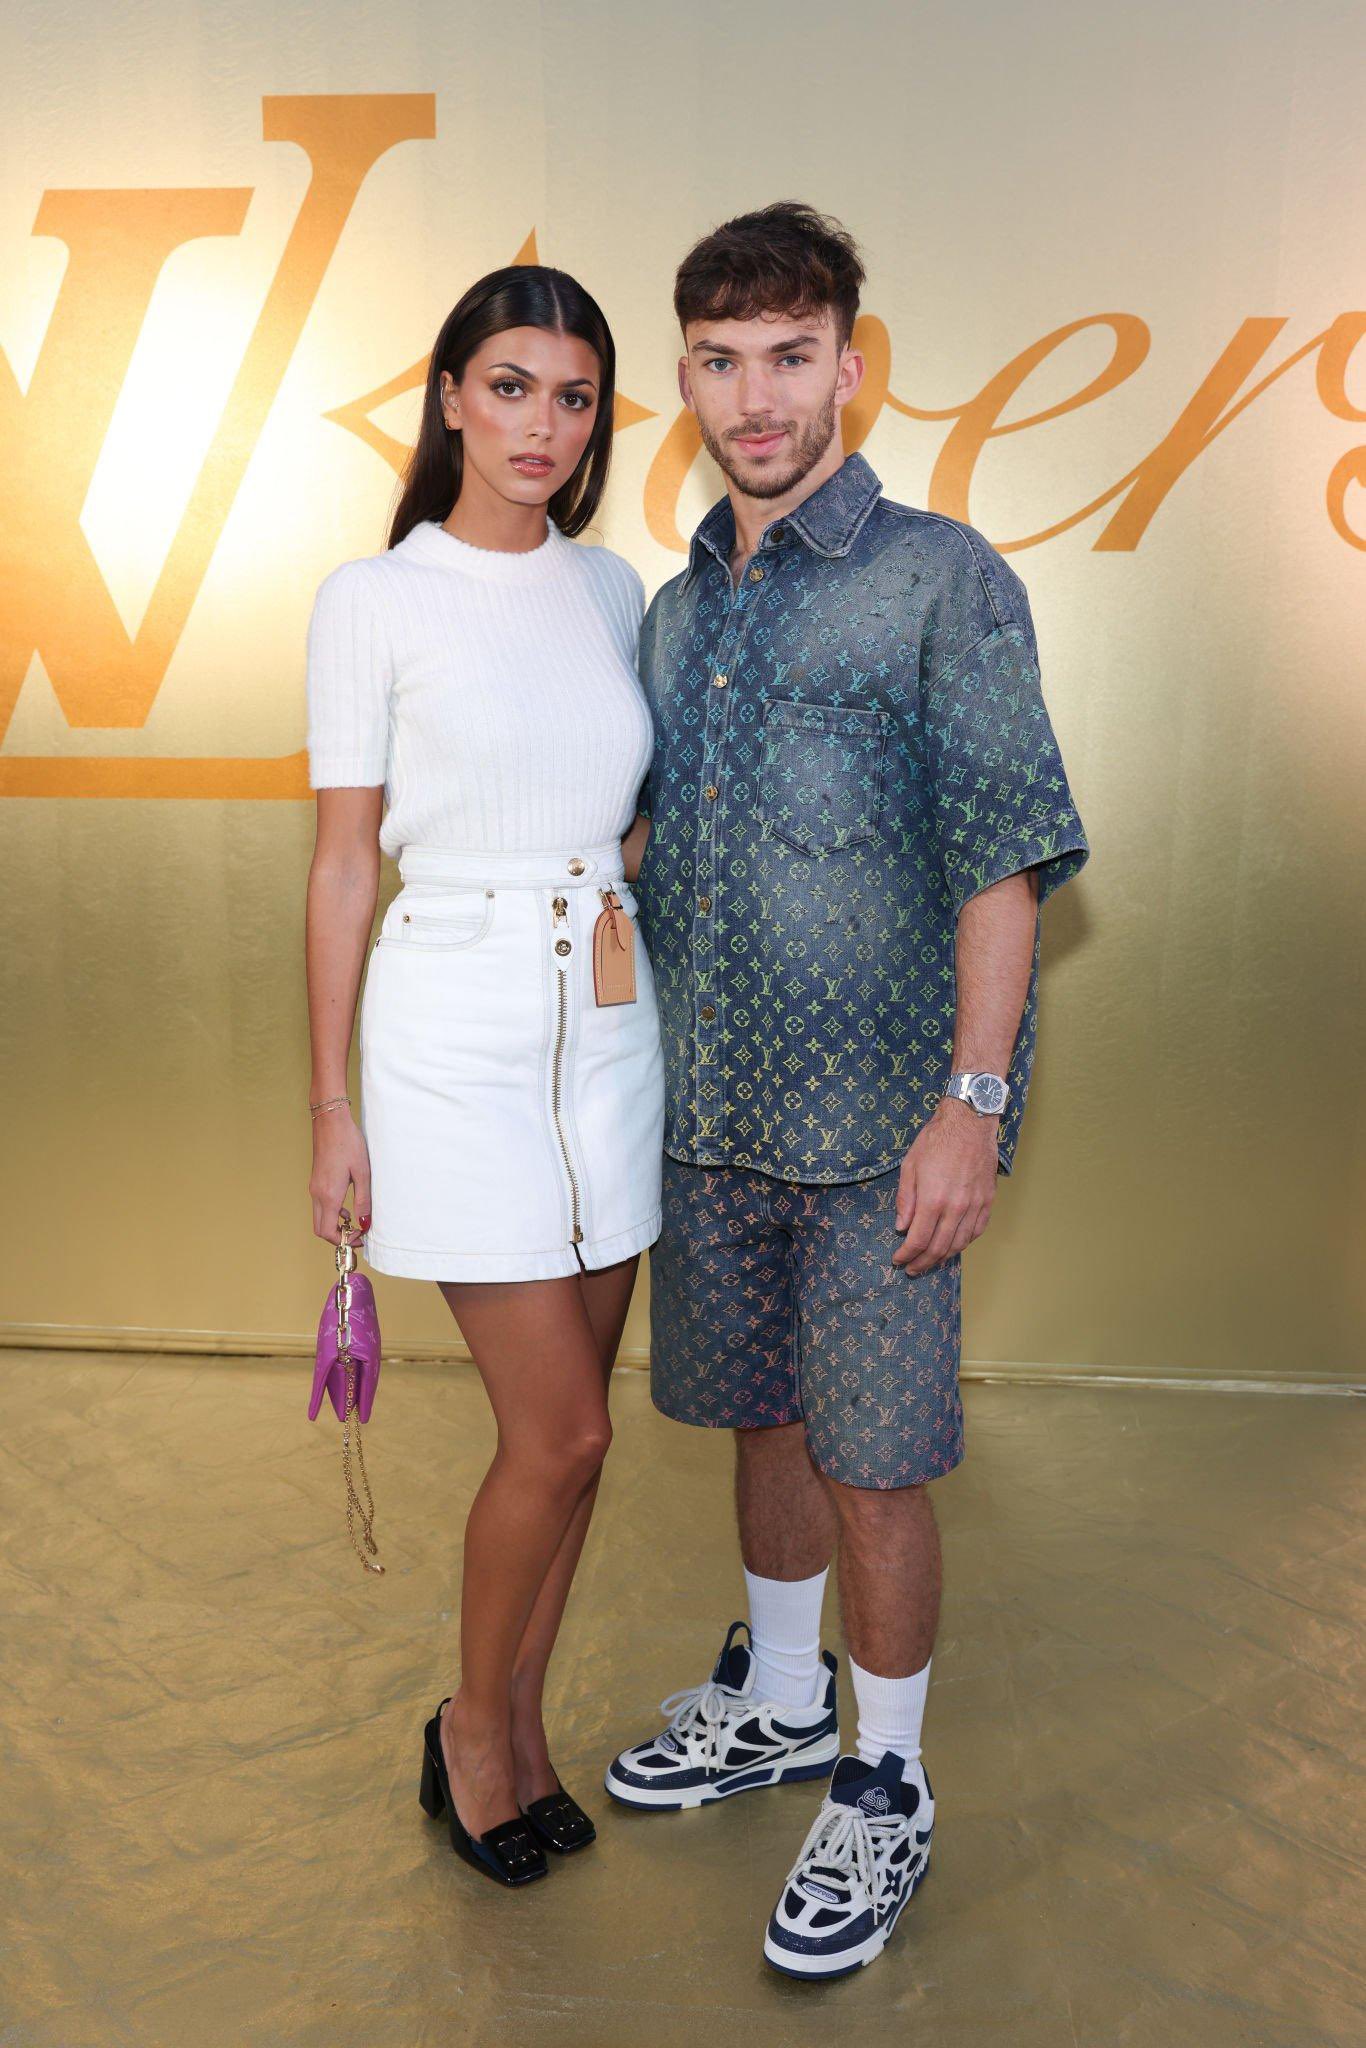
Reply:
x=868, y=1849
x=721, y=1740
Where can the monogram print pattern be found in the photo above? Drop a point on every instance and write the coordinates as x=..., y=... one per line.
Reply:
x=847, y=747
x=778, y=1303
x=820, y=775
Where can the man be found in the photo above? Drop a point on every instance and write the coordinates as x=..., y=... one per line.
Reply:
x=856, y=807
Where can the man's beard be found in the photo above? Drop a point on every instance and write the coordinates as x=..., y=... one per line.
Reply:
x=812, y=443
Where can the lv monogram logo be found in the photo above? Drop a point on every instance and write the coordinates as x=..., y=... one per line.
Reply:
x=53, y=597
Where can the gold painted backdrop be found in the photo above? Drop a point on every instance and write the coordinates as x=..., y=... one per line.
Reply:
x=1114, y=266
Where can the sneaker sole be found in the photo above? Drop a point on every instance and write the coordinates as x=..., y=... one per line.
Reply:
x=815, y=1763
x=793, y=1964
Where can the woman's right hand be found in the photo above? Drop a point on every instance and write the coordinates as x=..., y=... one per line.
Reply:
x=341, y=1160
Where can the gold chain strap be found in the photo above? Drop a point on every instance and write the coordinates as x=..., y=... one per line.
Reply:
x=355, y=1512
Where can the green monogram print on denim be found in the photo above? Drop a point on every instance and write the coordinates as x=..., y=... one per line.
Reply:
x=848, y=746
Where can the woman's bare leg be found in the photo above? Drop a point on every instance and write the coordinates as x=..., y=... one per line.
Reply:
x=607, y=1297
x=539, y=1357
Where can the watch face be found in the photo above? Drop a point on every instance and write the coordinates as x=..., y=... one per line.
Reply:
x=987, y=1093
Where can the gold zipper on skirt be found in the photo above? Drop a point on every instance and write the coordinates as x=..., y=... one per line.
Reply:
x=561, y=910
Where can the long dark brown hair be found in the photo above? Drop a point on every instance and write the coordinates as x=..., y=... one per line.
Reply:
x=522, y=295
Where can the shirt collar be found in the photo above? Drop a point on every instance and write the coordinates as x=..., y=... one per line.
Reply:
x=828, y=521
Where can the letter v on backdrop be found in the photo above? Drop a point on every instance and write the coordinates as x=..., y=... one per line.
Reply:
x=53, y=599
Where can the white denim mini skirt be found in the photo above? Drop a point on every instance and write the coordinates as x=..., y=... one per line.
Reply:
x=515, y=1128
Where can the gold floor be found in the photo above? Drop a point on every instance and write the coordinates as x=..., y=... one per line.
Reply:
x=1145, y=1732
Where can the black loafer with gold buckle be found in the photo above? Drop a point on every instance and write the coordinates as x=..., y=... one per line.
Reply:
x=509, y=1853
x=560, y=1822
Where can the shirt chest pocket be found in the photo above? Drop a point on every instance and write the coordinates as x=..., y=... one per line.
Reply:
x=820, y=774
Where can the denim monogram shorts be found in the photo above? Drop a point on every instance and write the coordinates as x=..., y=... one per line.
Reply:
x=773, y=1301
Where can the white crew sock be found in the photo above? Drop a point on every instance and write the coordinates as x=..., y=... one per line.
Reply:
x=890, y=1711
x=785, y=1629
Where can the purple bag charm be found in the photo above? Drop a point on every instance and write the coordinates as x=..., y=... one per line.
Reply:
x=347, y=1368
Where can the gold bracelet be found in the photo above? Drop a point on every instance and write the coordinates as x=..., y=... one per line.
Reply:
x=315, y=1109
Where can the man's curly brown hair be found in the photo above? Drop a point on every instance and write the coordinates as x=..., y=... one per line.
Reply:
x=786, y=258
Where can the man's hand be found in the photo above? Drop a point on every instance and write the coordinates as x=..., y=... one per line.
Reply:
x=947, y=1186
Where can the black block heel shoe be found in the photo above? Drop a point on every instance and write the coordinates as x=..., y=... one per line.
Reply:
x=560, y=1822
x=508, y=1853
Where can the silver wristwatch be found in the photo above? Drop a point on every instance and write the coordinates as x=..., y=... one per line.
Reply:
x=988, y=1094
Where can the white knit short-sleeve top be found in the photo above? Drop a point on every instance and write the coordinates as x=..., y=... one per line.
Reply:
x=494, y=695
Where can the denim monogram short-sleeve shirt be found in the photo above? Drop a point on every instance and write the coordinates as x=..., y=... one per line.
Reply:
x=848, y=746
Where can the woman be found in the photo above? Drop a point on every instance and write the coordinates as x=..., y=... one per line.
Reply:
x=480, y=675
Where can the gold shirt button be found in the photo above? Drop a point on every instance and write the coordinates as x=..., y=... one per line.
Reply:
x=576, y=866
x=707, y=1012
x=756, y=575
x=720, y=682
x=711, y=792
x=704, y=903
x=563, y=946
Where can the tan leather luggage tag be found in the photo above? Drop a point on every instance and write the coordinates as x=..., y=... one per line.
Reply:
x=614, y=954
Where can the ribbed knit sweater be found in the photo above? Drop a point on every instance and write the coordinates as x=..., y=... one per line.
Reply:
x=494, y=695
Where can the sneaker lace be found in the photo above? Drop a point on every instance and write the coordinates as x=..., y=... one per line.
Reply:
x=700, y=1712
x=847, y=1842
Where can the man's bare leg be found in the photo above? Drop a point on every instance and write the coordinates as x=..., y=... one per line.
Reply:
x=890, y=1567
x=787, y=1537
x=890, y=1575
x=787, y=1521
